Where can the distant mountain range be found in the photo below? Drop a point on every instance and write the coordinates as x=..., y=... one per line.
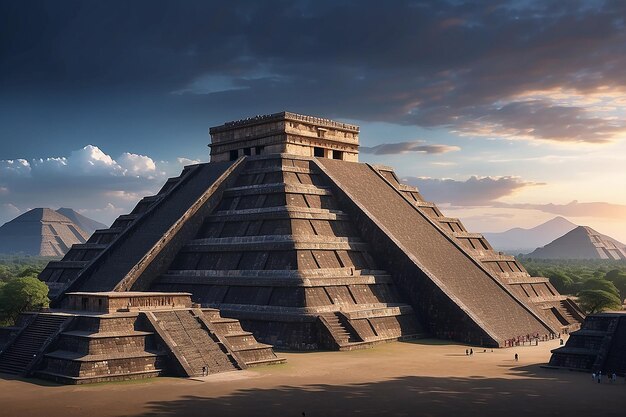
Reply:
x=581, y=243
x=46, y=232
x=518, y=240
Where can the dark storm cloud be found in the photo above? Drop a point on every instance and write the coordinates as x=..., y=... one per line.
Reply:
x=475, y=191
x=405, y=147
x=460, y=65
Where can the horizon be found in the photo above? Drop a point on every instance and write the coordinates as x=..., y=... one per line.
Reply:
x=504, y=114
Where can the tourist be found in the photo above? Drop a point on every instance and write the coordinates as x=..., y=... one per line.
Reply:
x=516, y=357
x=593, y=376
x=466, y=352
x=614, y=377
x=471, y=351
x=599, y=377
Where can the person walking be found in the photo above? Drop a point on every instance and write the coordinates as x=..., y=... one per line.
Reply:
x=471, y=352
x=516, y=357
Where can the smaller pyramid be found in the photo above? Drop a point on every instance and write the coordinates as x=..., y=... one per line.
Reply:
x=582, y=243
x=40, y=232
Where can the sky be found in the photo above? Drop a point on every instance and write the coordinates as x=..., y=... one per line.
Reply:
x=504, y=113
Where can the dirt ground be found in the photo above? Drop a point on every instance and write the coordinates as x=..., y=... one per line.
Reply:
x=421, y=378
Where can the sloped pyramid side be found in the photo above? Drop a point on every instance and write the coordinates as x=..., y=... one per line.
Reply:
x=581, y=243
x=537, y=293
x=40, y=231
x=105, y=260
x=432, y=267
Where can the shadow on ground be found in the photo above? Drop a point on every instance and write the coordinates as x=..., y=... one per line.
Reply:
x=528, y=393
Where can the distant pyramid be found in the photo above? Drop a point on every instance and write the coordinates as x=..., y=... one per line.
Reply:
x=582, y=243
x=526, y=240
x=85, y=223
x=40, y=231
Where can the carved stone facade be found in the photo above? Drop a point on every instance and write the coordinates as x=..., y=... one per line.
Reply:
x=285, y=132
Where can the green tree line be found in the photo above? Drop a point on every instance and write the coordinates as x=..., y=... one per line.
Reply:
x=598, y=285
x=20, y=290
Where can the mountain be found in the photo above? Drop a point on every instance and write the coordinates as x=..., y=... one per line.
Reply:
x=85, y=223
x=582, y=243
x=525, y=240
x=42, y=232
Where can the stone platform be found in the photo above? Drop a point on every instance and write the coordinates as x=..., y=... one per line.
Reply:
x=118, y=336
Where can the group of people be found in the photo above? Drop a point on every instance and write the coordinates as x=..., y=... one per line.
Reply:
x=597, y=376
x=530, y=338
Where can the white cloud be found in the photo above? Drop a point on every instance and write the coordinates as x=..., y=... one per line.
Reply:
x=136, y=164
x=187, y=161
x=14, y=167
x=87, y=180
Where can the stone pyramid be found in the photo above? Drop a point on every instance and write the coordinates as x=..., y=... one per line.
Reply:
x=85, y=223
x=287, y=232
x=582, y=243
x=42, y=232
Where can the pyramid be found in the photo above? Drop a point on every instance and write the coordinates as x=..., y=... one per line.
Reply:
x=85, y=223
x=42, y=232
x=287, y=232
x=582, y=243
x=600, y=345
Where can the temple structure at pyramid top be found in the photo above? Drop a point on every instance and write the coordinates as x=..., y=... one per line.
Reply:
x=285, y=132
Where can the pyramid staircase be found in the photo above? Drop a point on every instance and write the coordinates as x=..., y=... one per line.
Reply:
x=538, y=292
x=197, y=350
x=22, y=354
x=339, y=330
x=242, y=344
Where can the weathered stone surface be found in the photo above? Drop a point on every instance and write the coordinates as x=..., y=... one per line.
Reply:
x=600, y=345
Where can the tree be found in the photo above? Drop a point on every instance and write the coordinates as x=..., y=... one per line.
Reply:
x=595, y=301
x=5, y=273
x=601, y=285
x=561, y=282
x=29, y=271
x=618, y=278
x=612, y=274
x=21, y=294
